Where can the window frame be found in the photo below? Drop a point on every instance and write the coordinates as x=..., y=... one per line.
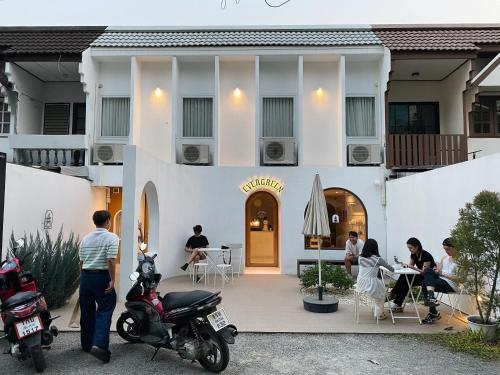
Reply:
x=98, y=130
x=2, y=114
x=294, y=118
x=494, y=121
x=375, y=119
x=437, y=115
x=181, y=130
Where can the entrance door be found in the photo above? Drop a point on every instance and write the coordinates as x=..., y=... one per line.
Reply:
x=262, y=230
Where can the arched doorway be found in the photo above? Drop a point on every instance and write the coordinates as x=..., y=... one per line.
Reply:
x=262, y=230
x=148, y=218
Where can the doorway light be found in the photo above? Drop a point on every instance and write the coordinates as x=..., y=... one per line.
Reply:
x=157, y=92
x=237, y=92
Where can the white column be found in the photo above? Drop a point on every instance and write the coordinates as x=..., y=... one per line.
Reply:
x=135, y=102
x=217, y=129
x=342, y=150
x=175, y=108
x=258, y=106
x=299, y=128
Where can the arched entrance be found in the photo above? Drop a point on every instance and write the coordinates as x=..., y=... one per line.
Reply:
x=262, y=230
x=148, y=218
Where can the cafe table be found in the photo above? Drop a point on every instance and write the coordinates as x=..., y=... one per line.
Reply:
x=406, y=272
x=211, y=253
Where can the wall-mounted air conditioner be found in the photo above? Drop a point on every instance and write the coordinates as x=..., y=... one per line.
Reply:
x=279, y=151
x=364, y=154
x=108, y=153
x=195, y=154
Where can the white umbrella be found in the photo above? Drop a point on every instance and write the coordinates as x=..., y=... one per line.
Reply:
x=316, y=220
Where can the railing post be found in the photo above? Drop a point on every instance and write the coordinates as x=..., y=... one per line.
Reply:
x=56, y=158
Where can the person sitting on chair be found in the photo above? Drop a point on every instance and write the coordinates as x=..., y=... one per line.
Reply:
x=353, y=247
x=193, y=246
x=368, y=281
x=439, y=279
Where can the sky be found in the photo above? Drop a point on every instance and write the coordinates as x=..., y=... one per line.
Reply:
x=244, y=12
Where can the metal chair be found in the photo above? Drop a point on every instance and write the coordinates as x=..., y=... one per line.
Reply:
x=197, y=266
x=236, y=253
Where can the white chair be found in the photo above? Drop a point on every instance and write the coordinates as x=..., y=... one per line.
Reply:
x=200, y=266
x=454, y=302
x=357, y=302
x=224, y=270
x=236, y=256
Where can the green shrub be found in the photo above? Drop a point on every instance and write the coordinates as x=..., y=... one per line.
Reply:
x=334, y=275
x=54, y=264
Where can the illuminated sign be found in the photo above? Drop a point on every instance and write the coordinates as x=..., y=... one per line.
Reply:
x=258, y=183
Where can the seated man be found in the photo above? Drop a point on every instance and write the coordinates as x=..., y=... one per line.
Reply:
x=353, y=248
x=193, y=246
x=441, y=278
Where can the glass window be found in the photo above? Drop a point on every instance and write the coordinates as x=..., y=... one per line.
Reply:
x=414, y=118
x=277, y=117
x=360, y=116
x=115, y=117
x=481, y=118
x=4, y=117
x=197, y=117
x=485, y=117
x=352, y=217
x=56, y=119
x=78, y=118
x=498, y=115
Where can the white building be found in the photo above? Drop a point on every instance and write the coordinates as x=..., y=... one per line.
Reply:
x=227, y=128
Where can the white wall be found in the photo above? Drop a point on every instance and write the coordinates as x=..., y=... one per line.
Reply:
x=30, y=192
x=489, y=146
x=278, y=77
x=320, y=124
x=237, y=114
x=412, y=211
x=114, y=76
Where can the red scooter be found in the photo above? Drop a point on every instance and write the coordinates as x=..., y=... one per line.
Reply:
x=187, y=322
x=24, y=312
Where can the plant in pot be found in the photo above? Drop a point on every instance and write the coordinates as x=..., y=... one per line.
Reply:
x=476, y=237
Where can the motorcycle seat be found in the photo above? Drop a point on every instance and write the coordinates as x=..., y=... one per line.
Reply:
x=20, y=298
x=175, y=300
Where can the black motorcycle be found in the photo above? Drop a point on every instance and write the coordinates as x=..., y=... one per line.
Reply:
x=187, y=322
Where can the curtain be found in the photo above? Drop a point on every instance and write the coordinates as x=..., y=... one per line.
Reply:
x=360, y=116
x=277, y=117
x=115, y=117
x=197, y=117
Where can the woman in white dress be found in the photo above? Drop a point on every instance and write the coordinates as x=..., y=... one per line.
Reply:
x=368, y=281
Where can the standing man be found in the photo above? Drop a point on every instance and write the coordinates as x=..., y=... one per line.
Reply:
x=98, y=251
x=353, y=248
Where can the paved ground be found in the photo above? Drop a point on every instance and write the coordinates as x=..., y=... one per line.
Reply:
x=268, y=354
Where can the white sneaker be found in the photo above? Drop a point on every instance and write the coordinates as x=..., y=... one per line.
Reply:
x=396, y=308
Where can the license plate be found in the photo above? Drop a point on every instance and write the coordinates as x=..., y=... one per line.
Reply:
x=218, y=319
x=28, y=327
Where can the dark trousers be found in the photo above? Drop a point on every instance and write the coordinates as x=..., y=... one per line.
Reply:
x=95, y=321
x=400, y=290
x=432, y=279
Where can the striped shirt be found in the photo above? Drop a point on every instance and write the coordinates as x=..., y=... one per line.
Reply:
x=96, y=248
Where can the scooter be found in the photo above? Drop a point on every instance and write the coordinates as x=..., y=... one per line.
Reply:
x=187, y=322
x=27, y=321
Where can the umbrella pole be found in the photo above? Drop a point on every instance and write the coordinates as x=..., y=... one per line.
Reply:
x=320, y=286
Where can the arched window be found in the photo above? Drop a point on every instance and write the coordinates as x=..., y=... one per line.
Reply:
x=352, y=217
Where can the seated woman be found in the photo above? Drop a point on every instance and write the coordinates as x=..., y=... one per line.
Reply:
x=440, y=279
x=368, y=281
x=420, y=260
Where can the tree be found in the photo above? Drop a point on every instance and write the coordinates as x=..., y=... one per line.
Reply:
x=476, y=237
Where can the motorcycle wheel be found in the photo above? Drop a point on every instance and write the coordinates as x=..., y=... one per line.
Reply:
x=38, y=359
x=128, y=328
x=218, y=358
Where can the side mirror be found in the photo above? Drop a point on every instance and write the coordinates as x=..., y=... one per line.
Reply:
x=19, y=243
x=143, y=246
x=134, y=276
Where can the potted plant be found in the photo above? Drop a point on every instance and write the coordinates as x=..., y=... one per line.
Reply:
x=476, y=237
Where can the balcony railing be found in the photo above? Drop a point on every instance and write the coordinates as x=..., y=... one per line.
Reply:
x=49, y=150
x=425, y=151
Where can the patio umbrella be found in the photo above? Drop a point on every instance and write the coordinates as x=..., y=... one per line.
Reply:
x=316, y=221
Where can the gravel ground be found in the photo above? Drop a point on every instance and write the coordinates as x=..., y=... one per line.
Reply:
x=267, y=354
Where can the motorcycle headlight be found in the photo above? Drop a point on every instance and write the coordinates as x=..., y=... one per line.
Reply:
x=147, y=267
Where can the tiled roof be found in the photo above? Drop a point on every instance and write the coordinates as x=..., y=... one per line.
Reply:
x=437, y=39
x=46, y=40
x=236, y=38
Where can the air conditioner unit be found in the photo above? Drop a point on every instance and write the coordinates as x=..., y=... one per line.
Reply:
x=195, y=154
x=108, y=153
x=279, y=151
x=364, y=154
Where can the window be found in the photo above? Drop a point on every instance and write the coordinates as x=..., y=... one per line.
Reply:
x=56, y=118
x=115, y=117
x=414, y=118
x=485, y=117
x=197, y=117
x=360, y=117
x=4, y=117
x=352, y=217
x=277, y=117
x=78, y=126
